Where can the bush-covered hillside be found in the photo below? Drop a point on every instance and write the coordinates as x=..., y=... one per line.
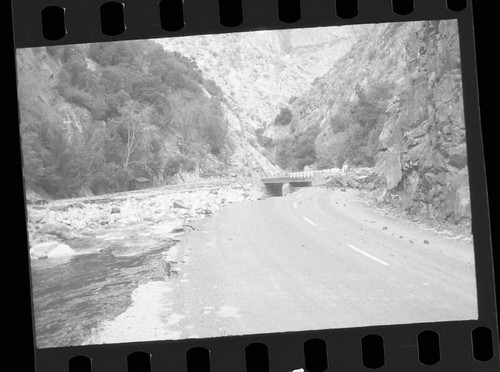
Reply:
x=110, y=112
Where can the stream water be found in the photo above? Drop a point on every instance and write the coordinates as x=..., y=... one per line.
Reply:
x=74, y=295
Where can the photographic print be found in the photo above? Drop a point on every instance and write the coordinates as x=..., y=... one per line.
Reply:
x=246, y=183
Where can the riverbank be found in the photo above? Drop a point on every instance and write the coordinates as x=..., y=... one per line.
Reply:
x=65, y=220
x=125, y=256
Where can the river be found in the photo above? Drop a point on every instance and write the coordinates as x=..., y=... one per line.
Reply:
x=73, y=296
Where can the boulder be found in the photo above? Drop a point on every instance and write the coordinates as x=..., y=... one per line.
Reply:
x=391, y=136
x=179, y=204
x=52, y=249
x=458, y=156
x=78, y=205
x=59, y=208
x=58, y=229
x=115, y=210
x=203, y=211
x=62, y=250
x=40, y=250
x=350, y=182
x=392, y=169
x=173, y=226
x=461, y=206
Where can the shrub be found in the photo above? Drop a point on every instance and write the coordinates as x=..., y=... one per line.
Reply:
x=95, y=104
x=332, y=149
x=284, y=117
x=263, y=140
x=212, y=88
x=355, y=130
x=111, y=177
x=113, y=54
x=339, y=122
x=178, y=163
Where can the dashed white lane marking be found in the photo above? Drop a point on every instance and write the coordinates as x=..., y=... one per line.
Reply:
x=299, y=195
x=367, y=255
x=308, y=220
x=295, y=205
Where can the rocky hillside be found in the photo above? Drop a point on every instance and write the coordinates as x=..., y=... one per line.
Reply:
x=260, y=71
x=394, y=102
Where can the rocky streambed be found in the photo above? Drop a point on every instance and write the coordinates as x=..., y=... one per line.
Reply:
x=66, y=220
x=89, y=255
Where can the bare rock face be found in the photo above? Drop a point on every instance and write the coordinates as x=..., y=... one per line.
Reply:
x=432, y=174
x=421, y=146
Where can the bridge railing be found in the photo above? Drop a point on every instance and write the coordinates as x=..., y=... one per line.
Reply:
x=309, y=174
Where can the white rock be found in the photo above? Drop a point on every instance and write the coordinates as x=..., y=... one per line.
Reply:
x=170, y=226
x=41, y=249
x=51, y=249
x=62, y=250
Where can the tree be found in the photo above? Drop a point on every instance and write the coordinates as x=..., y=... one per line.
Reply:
x=113, y=54
x=213, y=126
x=135, y=132
x=331, y=149
x=298, y=151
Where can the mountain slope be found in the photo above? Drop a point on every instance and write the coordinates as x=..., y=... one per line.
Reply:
x=260, y=71
x=393, y=101
x=95, y=117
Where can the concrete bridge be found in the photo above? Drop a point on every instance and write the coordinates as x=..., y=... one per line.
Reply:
x=274, y=185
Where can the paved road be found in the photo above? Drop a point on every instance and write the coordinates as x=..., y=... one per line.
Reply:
x=315, y=259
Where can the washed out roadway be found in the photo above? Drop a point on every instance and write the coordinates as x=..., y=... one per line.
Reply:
x=314, y=259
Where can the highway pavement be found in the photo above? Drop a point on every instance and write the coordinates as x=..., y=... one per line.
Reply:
x=315, y=259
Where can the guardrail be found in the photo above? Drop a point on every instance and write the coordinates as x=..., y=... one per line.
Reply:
x=309, y=174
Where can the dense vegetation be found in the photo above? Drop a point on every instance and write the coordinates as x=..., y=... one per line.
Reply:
x=141, y=112
x=284, y=117
x=295, y=152
x=352, y=135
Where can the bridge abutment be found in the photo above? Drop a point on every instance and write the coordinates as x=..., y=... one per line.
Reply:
x=274, y=185
x=301, y=184
x=274, y=189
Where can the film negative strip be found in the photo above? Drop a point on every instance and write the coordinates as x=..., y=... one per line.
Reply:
x=236, y=185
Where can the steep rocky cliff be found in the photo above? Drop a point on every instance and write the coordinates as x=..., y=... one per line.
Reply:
x=424, y=156
x=394, y=101
x=260, y=71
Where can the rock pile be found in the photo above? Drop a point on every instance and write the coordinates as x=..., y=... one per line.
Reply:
x=358, y=178
x=58, y=222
